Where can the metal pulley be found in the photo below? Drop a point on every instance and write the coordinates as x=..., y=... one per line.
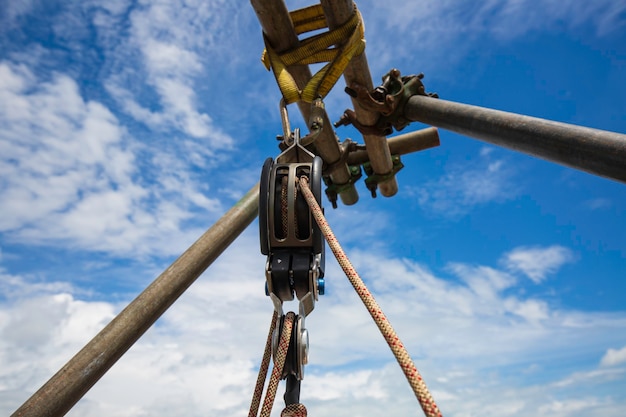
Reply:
x=299, y=355
x=293, y=242
x=289, y=235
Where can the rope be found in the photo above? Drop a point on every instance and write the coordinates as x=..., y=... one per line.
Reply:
x=284, y=205
x=399, y=351
x=336, y=47
x=265, y=363
x=284, y=208
x=293, y=410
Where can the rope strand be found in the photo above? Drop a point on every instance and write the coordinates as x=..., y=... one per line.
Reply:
x=399, y=351
x=265, y=364
x=293, y=410
x=279, y=362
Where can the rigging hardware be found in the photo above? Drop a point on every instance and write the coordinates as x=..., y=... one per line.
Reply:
x=387, y=100
x=292, y=241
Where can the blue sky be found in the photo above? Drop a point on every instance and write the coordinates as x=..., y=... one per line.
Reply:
x=128, y=127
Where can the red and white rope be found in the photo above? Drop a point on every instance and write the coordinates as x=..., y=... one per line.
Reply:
x=399, y=351
x=265, y=364
x=293, y=410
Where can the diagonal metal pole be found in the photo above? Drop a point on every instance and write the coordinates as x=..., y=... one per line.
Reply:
x=57, y=396
x=595, y=151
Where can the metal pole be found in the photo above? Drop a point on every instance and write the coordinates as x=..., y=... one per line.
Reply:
x=416, y=141
x=278, y=27
x=57, y=396
x=358, y=72
x=595, y=151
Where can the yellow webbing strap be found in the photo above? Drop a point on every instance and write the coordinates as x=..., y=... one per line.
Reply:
x=337, y=47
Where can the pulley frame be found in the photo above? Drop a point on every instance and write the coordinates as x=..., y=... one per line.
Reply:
x=292, y=241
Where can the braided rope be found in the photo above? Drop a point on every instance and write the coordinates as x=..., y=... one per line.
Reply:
x=399, y=351
x=279, y=362
x=265, y=364
x=284, y=205
x=292, y=410
x=284, y=208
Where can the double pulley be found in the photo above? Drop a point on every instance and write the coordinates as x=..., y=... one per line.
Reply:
x=289, y=235
x=293, y=244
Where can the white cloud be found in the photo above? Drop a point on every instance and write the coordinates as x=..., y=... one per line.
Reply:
x=487, y=283
x=592, y=376
x=598, y=204
x=167, y=59
x=504, y=19
x=469, y=340
x=537, y=262
x=563, y=408
x=614, y=357
x=470, y=333
x=39, y=333
x=13, y=10
x=433, y=28
x=531, y=311
x=67, y=160
x=14, y=287
x=174, y=42
x=54, y=144
x=464, y=187
x=69, y=173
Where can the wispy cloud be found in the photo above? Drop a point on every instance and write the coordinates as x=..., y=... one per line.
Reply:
x=614, y=357
x=70, y=173
x=470, y=339
x=76, y=170
x=537, y=262
x=177, y=47
x=124, y=149
x=15, y=287
x=505, y=19
x=444, y=30
x=13, y=10
x=464, y=187
x=601, y=375
x=598, y=204
x=54, y=144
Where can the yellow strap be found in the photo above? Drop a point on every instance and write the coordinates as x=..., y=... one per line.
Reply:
x=337, y=47
x=308, y=19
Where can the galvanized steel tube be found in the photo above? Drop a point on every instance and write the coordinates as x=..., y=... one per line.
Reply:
x=595, y=151
x=418, y=140
x=57, y=396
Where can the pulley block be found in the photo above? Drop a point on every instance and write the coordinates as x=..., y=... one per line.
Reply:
x=298, y=352
x=288, y=233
